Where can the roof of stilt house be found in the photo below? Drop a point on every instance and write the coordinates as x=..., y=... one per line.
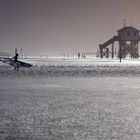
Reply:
x=127, y=28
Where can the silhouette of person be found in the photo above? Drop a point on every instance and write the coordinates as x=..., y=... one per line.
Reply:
x=16, y=57
x=78, y=55
x=16, y=64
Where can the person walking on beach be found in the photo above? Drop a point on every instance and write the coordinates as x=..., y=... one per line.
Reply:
x=15, y=59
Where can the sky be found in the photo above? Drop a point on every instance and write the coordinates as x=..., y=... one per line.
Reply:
x=63, y=26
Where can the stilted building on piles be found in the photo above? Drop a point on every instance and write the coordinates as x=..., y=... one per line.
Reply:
x=128, y=38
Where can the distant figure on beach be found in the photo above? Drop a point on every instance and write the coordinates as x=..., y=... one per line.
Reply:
x=78, y=55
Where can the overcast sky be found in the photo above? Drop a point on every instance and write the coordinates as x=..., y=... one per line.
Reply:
x=63, y=26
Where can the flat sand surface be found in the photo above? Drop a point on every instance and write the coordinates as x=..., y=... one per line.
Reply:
x=70, y=108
